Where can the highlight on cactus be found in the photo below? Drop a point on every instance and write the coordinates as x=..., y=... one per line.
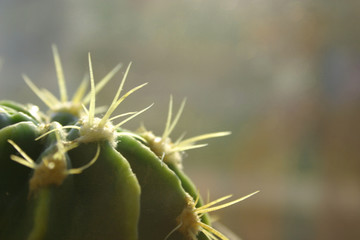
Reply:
x=73, y=173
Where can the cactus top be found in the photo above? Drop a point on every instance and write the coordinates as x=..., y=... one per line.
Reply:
x=87, y=178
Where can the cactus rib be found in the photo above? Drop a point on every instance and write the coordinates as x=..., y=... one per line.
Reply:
x=70, y=174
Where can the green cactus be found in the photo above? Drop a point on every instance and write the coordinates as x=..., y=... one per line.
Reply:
x=69, y=174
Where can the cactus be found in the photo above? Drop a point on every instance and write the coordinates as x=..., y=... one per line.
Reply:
x=69, y=174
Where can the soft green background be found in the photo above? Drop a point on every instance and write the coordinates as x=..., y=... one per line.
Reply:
x=282, y=75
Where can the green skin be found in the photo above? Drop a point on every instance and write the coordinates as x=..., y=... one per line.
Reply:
x=127, y=194
x=18, y=113
x=14, y=177
x=107, y=196
x=186, y=184
x=162, y=197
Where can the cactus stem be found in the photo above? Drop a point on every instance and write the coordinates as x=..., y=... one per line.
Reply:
x=51, y=170
x=81, y=169
x=125, y=172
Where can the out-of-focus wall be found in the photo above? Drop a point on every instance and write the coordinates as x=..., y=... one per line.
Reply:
x=282, y=75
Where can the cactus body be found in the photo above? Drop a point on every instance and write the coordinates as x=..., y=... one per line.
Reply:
x=71, y=175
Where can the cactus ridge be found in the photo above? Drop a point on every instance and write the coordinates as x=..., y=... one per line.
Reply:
x=53, y=169
x=86, y=177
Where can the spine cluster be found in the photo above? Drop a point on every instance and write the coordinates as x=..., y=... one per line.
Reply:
x=70, y=174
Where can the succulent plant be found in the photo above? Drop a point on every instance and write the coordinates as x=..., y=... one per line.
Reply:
x=69, y=174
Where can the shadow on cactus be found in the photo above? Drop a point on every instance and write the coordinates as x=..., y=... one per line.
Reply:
x=69, y=174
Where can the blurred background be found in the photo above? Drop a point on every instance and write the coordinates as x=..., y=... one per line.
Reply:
x=282, y=75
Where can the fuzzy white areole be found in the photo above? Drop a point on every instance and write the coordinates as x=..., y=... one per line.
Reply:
x=167, y=150
x=91, y=128
x=189, y=220
x=53, y=169
x=80, y=98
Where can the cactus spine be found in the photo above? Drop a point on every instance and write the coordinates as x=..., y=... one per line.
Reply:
x=69, y=174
